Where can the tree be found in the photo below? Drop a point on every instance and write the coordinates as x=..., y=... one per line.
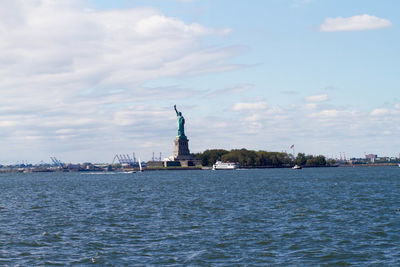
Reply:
x=243, y=156
x=251, y=158
x=301, y=159
x=209, y=157
x=317, y=161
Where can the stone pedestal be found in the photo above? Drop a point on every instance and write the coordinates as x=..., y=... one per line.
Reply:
x=182, y=156
x=181, y=151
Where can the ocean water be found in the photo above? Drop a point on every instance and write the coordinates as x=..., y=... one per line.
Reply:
x=316, y=216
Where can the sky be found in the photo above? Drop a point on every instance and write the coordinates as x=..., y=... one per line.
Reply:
x=84, y=80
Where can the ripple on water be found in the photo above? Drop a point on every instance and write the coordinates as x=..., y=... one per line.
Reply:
x=328, y=216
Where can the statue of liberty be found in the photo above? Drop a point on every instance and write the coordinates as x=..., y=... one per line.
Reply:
x=181, y=123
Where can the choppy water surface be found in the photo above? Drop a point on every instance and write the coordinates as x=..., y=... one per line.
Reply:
x=332, y=216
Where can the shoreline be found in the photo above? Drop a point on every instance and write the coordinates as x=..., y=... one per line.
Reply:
x=52, y=169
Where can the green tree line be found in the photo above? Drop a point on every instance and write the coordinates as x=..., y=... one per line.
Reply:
x=251, y=158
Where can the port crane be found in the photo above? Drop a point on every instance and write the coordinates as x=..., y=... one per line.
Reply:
x=57, y=162
x=123, y=159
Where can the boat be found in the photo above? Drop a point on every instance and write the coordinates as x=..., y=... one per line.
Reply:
x=140, y=166
x=296, y=167
x=219, y=165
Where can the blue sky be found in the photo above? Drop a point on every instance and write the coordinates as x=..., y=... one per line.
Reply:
x=84, y=80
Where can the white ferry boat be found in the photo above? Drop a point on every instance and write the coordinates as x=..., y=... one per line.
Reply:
x=219, y=165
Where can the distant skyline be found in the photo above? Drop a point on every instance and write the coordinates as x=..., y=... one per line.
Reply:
x=83, y=80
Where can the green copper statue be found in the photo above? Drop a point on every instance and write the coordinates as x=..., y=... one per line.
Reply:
x=181, y=123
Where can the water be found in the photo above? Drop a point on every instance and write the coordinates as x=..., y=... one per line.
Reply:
x=320, y=216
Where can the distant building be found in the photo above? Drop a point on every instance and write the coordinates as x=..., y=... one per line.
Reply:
x=371, y=157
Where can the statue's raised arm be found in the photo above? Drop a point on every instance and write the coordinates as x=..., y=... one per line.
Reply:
x=177, y=113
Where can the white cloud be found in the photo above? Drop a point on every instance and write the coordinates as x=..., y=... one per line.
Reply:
x=310, y=106
x=249, y=106
x=354, y=23
x=161, y=26
x=253, y=117
x=8, y=123
x=331, y=113
x=380, y=112
x=326, y=113
x=77, y=74
x=317, y=98
x=74, y=86
x=314, y=131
